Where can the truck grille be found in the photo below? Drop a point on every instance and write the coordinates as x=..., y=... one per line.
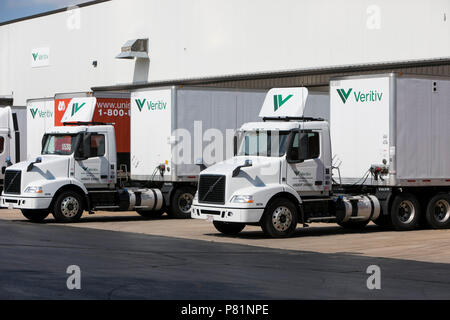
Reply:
x=12, y=181
x=211, y=189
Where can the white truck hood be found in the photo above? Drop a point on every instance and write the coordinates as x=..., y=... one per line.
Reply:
x=51, y=168
x=264, y=171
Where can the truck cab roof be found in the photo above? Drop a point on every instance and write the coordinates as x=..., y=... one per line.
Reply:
x=77, y=129
x=283, y=125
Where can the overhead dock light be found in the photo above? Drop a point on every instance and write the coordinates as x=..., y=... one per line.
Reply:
x=136, y=48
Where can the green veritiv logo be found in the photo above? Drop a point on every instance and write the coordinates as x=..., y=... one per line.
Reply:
x=35, y=55
x=76, y=107
x=278, y=101
x=344, y=95
x=33, y=112
x=140, y=103
x=360, y=96
x=159, y=105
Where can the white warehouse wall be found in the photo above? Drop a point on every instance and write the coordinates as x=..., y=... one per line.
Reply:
x=205, y=38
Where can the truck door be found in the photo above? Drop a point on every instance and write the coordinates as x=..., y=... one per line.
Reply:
x=91, y=164
x=4, y=151
x=305, y=168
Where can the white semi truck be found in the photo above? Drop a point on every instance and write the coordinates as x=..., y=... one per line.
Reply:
x=79, y=169
x=385, y=158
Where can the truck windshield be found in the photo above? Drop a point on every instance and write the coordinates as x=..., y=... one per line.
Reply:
x=61, y=144
x=262, y=143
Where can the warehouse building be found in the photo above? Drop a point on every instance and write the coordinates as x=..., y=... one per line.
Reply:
x=123, y=44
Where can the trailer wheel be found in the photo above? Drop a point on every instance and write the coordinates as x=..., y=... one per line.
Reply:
x=280, y=219
x=354, y=225
x=181, y=202
x=35, y=215
x=151, y=214
x=229, y=228
x=405, y=212
x=438, y=211
x=68, y=207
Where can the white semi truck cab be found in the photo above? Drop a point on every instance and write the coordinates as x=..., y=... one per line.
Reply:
x=76, y=171
x=281, y=175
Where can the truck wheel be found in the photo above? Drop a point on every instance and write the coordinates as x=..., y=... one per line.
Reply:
x=35, y=215
x=229, y=228
x=354, y=225
x=280, y=219
x=68, y=207
x=151, y=214
x=181, y=202
x=405, y=212
x=383, y=221
x=438, y=211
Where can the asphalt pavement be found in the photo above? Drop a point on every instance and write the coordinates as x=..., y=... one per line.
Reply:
x=120, y=265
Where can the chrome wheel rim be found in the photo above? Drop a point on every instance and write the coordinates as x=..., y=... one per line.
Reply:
x=441, y=211
x=282, y=218
x=69, y=207
x=406, y=211
x=185, y=202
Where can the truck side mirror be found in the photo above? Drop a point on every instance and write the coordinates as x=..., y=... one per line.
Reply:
x=44, y=139
x=235, y=141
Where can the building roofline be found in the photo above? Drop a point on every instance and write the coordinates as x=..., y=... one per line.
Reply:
x=276, y=74
x=48, y=13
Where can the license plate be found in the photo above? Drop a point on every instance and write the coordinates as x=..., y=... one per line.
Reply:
x=210, y=218
x=10, y=206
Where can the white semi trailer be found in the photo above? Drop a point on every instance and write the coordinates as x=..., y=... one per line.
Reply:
x=10, y=142
x=78, y=168
x=385, y=158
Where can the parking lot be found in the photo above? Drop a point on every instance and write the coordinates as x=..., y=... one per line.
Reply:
x=419, y=245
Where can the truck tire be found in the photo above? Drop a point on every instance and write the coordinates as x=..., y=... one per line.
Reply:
x=229, y=228
x=35, y=215
x=438, y=211
x=354, y=225
x=280, y=218
x=405, y=212
x=181, y=202
x=68, y=207
x=151, y=214
x=383, y=221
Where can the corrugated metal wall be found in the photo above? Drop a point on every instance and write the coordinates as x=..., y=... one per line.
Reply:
x=317, y=79
x=320, y=79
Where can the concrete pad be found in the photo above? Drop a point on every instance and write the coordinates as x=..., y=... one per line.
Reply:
x=418, y=245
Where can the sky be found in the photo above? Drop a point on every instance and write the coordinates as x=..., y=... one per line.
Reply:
x=13, y=9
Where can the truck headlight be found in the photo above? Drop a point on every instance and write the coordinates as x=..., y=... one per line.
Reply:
x=33, y=189
x=242, y=199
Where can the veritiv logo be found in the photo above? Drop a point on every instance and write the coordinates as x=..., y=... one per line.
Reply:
x=344, y=95
x=76, y=107
x=140, y=103
x=33, y=112
x=278, y=101
x=159, y=105
x=360, y=96
x=35, y=55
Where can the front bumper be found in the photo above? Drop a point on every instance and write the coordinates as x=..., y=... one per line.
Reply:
x=227, y=214
x=18, y=202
